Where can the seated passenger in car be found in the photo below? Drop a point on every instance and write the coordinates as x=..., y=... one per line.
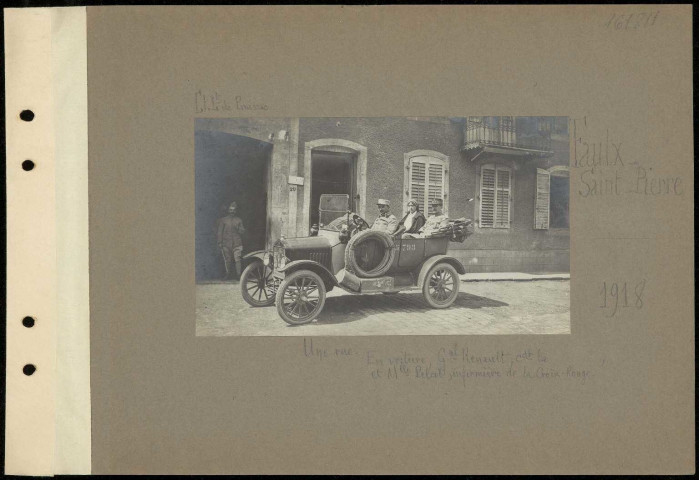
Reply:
x=412, y=222
x=434, y=222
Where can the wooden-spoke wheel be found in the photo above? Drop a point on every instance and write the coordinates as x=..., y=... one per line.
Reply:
x=300, y=297
x=258, y=285
x=441, y=286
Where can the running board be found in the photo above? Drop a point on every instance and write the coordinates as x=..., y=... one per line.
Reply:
x=352, y=283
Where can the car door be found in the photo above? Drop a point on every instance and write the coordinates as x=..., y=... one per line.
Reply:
x=412, y=251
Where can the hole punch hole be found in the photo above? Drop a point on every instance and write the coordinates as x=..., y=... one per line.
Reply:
x=26, y=115
x=28, y=322
x=27, y=165
x=29, y=369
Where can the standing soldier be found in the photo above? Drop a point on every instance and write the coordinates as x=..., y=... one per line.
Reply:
x=230, y=242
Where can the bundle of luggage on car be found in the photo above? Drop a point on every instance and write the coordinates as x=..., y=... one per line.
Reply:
x=457, y=230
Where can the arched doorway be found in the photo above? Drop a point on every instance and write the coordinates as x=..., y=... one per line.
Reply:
x=228, y=168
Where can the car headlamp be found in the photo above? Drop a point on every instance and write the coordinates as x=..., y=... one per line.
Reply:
x=279, y=258
x=266, y=258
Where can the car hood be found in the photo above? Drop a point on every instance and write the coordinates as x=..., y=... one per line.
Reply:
x=304, y=243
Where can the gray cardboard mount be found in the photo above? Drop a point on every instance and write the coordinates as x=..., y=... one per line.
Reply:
x=167, y=402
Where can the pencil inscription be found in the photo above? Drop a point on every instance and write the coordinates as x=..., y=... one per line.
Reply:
x=456, y=364
x=632, y=21
x=604, y=169
x=214, y=102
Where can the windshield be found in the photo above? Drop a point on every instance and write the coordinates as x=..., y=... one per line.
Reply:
x=333, y=211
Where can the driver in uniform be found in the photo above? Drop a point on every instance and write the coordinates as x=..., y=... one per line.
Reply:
x=386, y=221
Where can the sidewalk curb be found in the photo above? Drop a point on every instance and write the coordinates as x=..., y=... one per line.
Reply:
x=511, y=278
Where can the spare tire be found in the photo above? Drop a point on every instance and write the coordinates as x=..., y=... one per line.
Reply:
x=369, y=254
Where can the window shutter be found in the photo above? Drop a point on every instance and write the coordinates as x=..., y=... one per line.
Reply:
x=435, y=188
x=496, y=197
x=417, y=182
x=487, y=213
x=502, y=198
x=426, y=181
x=543, y=189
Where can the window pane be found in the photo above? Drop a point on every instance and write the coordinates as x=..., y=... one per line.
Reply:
x=559, y=202
x=561, y=125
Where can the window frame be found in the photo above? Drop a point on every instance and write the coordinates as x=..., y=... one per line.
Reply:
x=555, y=171
x=434, y=158
x=559, y=171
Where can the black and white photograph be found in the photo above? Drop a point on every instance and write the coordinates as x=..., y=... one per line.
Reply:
x=382, y=226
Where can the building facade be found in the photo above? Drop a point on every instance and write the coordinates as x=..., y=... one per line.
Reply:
x=509, y=174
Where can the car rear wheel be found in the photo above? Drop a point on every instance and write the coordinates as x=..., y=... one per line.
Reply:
x=300, y=297
x=441, y=286
x=257, y=285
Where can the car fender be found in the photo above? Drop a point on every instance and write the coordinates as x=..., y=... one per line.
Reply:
x=432, y=261
x=256, y=254
x=325, y=274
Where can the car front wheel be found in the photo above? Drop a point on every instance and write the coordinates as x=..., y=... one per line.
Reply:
x=300, y=297
x=257, y=285
x=441, y=286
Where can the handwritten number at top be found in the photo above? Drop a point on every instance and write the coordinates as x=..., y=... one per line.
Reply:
x=632, y=21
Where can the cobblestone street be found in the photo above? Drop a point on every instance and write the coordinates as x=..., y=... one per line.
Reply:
x=482, y=308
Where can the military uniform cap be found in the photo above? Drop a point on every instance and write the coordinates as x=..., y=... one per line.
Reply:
x=436, y=201
x=383, y=201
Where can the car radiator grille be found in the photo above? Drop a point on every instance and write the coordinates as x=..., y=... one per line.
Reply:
x=320, y=257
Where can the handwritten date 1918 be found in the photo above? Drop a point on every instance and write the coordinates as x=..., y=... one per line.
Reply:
x=619, y=295
x=632, y=21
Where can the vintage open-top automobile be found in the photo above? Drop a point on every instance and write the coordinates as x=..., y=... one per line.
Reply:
x=345, y=253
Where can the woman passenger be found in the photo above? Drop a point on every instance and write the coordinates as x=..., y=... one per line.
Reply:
x=412, y=222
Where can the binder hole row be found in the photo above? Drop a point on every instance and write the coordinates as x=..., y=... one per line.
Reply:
x=26, y=115
x=27, y=165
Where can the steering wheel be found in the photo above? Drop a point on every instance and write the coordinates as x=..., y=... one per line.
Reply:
x=360, y=223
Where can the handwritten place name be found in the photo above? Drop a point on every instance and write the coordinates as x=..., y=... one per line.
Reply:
x=632, y=21
x=453, y=364
x=213, y=102
x=322, y=353
x=640, y=181
x=603, y=169
x=594, y=152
